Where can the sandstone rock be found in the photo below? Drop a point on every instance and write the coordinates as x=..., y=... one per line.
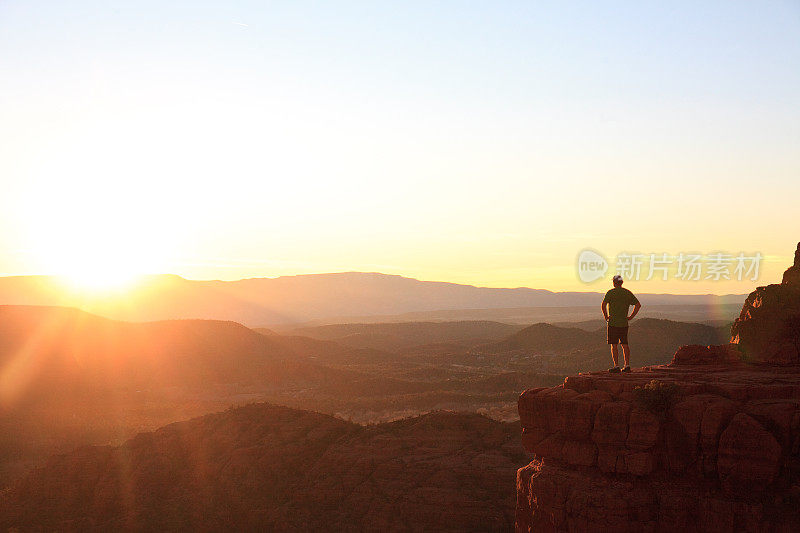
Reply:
x=611, y=424
x=531, y=437
x=748, y=456
x=689, y=414
x=724, y=454
x=643, y=429
x=639, y=463
x=551, y=446
x=610, y=458
x=719, y=514
x=579, y=383
x=579, y=453
x=695, y=354
x=792, y=274
x=768, y=328
x=718, y=413
x=525, y=407
x=777, y=416
x=576, y=417
x=679, y=451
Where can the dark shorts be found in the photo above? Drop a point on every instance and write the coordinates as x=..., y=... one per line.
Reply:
x=617, y=335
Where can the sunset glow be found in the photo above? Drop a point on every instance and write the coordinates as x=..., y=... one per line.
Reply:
x=474, y=144
x=300, y=266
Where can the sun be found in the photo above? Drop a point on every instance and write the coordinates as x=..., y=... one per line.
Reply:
x=95, y=278
x=98, y=235
x=89, y=267
x=97, y=258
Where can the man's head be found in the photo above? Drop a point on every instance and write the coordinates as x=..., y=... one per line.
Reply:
x=617, y=280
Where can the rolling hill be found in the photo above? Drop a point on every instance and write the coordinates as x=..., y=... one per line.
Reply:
x=266, y=468
x=653, y=341
x=68, y=377
x=50, y=350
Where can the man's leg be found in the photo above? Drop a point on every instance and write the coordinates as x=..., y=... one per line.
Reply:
x=614, y=354
x=626, y=354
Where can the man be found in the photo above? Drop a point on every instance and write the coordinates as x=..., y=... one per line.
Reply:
x=615, y=308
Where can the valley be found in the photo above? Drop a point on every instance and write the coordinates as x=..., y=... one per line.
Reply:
x=72, y=378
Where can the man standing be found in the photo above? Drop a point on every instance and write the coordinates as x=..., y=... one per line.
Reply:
x=615, y=308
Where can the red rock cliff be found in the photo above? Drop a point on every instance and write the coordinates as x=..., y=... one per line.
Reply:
x=710, y=442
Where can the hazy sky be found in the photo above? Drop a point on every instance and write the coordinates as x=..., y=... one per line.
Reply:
x=478, y=142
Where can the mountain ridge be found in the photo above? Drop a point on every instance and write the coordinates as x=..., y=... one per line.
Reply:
x=307, y=297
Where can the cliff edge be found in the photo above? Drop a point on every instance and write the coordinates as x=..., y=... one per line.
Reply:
x=709, y=442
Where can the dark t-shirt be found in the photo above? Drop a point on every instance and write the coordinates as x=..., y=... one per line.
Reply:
x=619, y=299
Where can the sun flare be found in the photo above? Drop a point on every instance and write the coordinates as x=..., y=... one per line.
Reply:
x=94, y=268
x=92, y=236
x=97, y=263
x=94, y=279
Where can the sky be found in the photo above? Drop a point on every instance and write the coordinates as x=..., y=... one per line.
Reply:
x=486, y=143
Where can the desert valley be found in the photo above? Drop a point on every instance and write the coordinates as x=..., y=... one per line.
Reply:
x=404, y=407
x=399, y=267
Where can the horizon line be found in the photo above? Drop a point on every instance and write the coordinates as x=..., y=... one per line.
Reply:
x=595, y=291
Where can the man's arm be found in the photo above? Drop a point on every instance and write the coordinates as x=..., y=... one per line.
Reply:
x=636, y=308
x=604, y=306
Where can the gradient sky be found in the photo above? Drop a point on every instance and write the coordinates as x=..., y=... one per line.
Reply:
x=477, y=142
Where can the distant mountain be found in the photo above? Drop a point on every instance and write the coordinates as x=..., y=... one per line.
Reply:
x=296, y=299
x=267, y=468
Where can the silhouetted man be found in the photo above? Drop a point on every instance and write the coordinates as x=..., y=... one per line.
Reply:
x=615, y=308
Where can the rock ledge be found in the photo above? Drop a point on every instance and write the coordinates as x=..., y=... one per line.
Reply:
x=710, y=442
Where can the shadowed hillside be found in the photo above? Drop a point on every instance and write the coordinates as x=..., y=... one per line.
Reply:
x=399, y=336
x=262, y=467
x=67, y=352
x=568, y=349
x=70, y=378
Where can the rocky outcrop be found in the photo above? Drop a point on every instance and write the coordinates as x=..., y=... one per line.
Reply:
x=768, y=328
x=724, y=451
x=792, y=274
x=710, y=442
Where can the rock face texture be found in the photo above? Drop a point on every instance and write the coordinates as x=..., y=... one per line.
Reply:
x=723, y=455
x=710, y=442
x=768, y=329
